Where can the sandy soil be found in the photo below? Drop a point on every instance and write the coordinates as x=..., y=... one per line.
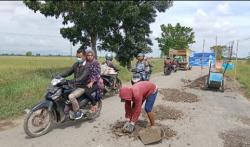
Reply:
x=201, y=125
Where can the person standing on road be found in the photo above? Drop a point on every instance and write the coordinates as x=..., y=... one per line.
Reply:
x=137, y=94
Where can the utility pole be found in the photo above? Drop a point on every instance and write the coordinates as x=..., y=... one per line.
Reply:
x=216, y=41
x=202, y=56
x=236, y=64
x=216, y=49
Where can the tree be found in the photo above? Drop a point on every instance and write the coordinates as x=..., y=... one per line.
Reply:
x=87, y=19
x=29, y=53
x=175, y=37
x=120, y=26
x=219, y=51
x=130, y=34
x=248, y=58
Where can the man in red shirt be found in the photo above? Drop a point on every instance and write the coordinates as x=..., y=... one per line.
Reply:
x=138, y=93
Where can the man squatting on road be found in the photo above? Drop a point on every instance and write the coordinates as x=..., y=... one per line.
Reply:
x=134, y=97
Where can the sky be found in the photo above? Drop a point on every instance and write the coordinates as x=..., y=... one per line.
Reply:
x=22, y=30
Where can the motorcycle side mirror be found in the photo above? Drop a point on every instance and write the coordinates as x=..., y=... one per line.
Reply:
x=56, y=76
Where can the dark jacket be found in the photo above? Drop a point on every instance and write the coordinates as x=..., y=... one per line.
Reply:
x=81, y=74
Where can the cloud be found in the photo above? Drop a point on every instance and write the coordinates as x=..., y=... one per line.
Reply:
x=200, y=13
x=228, y=20
x=223, y=8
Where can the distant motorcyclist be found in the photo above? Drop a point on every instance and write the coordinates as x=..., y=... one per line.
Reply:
x=81, y=75
x=108, y=62
x=142, y=66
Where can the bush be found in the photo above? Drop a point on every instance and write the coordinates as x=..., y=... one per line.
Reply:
x=29, y=53
x=248, y=58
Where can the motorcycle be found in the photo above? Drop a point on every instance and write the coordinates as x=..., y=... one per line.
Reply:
x=168, y=69
x=175, y=66
x=111, y=81
x=138, y=76
x=44, y=115
x=112, y=84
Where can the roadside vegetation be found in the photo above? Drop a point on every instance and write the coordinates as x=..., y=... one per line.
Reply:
x=243, y=72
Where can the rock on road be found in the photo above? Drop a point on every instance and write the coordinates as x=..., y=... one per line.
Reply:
x=201, y=125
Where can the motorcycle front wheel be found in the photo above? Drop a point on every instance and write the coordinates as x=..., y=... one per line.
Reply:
x=167, y=71
x=38, y=123
x=118, y=85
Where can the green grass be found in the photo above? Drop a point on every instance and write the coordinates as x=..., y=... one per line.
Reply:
x=243, y=72
x=23, y=80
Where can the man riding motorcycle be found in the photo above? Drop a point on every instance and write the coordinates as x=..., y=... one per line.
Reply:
x=143, y=67
x=81, y=74
x=111, y=72
x=108, y=61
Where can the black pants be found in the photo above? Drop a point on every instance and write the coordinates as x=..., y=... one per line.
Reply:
x=89, y=91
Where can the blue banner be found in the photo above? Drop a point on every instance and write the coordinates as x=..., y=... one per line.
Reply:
x=230, y=66
x=195, y=59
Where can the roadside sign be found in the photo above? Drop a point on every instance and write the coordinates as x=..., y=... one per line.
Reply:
x=202, y=59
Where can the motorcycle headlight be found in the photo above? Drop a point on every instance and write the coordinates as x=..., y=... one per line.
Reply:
x=54, y=82
x=136, y=77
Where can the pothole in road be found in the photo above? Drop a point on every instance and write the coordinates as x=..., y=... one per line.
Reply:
x=176, y=95
x=245, y=120
x=230, y=84
x=198, y=83
x=162, y=112
x=116, y=128
x=236, y=138
x=5, y=125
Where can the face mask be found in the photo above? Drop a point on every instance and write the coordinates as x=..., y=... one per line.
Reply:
x=78, y=59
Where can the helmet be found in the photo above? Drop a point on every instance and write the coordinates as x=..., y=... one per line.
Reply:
x=140, y=55
x=125, y=93
x=109, y=56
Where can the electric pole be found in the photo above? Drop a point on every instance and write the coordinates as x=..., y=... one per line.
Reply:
x=202, y=55
x=236, y=64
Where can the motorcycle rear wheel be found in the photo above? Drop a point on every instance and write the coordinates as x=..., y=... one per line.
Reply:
x=36, y=121
x=98, y=111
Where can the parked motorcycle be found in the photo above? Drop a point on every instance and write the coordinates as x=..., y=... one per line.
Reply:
x=44, y=115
